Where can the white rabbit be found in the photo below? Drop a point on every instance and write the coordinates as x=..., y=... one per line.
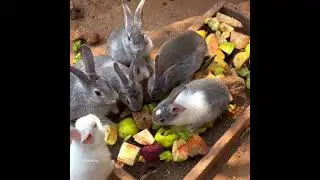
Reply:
x=90, y=158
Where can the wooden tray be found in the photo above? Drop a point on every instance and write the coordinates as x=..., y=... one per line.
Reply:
x=222, y=137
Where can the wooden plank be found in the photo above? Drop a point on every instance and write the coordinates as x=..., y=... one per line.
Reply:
x=200, y=170
x=121, y=174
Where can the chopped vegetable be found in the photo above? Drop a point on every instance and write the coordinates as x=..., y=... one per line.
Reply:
x=152, y=106
x=155, y=127
x=111, y=135
x=247, y=49
x=220, y=76
x=76, y=59
x=239, y=40
x=141, y=159
x=145, y=108
x=240, y=58
x=213, y=24
x=218, y=63
x=212, y=44
x=218, y=33
x=227, y=47
x=144, y=137
x=196, y=146
x=229, y=20
x=202, y=33
x=151, y=152
x=244, y=71
x=166, y=155
x=76, y=46
x=127, y=128
x=165, y=140
x=128, y=153
x=184, y=134
x=226, y=28
x=210, y=75
x=225, y=34
x=231, y=107
x=248, y=81
x=179, y=151
x=204, y=128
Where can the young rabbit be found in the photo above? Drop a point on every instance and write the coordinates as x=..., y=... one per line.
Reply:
x=88, y=94
x=90, y=158
x=177, y=61
x=193, y=104
x=130, y=43
x=116, y=76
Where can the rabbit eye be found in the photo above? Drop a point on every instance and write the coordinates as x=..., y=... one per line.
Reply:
x=98, y=93
x=162, y=120
x=129, y=38
x=128, y=101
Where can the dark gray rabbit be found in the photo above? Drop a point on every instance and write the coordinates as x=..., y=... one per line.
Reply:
x=88, y=95
x=130, y=43
x=193, y=104
x=116, y=76
x=177, y=61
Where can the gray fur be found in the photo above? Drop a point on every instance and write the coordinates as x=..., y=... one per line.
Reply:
x=198, y=103
x=83, y=96
x=177, y=61
x=119, y=78
x=129, y=43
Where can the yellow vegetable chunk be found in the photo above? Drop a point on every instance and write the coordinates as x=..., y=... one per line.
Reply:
x=240, y=59
x=202, y=33
x=111, y=135
x=128, y=153
x=227, y=47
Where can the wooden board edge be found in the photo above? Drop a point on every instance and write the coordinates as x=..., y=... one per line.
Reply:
x=200, y=170
x=215, y=8
x=122, y=174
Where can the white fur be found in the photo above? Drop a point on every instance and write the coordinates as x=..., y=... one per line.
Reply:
x=196, y=107
x=90, y=161
x=158, y=112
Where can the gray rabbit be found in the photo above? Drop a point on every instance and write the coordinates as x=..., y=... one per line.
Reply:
x=129, y=43
x=116, y=76
x=177, y=61
x=193, y=104
x=89, y=95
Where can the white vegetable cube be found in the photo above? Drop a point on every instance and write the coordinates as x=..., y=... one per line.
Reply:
x=128, y=153
x=144, y=137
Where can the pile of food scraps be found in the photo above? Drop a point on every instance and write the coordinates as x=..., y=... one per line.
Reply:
x=228, y=49
x=143, y=142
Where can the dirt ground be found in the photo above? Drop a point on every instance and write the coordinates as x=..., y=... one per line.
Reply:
x=102, y=16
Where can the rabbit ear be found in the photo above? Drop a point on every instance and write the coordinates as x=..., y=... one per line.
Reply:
x=74, y=134
x=81, y=75
x=88, y=61
x=176, y=108
x=155, y=63
x=167, y=72
x=121, y=75
x=175, y=92
x=138, y=14
x=127, y=16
